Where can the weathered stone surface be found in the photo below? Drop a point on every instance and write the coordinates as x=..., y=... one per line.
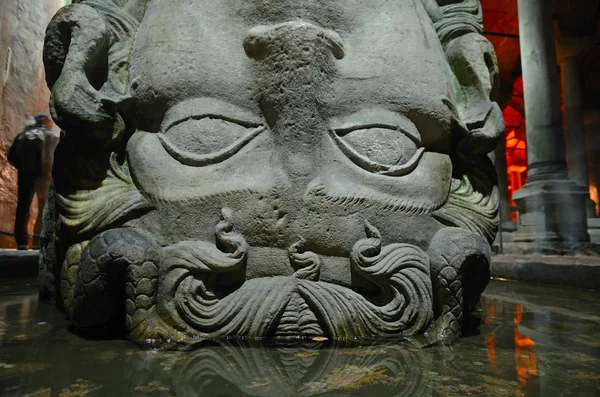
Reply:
x=23, y=93
x=290, y=168
x=47, y=280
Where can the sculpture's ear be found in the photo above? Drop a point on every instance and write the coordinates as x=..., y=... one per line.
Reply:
x=76, y=62
x=475, y=76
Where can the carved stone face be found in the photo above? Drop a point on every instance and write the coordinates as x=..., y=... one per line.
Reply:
x=291, y=157
x=303, y=129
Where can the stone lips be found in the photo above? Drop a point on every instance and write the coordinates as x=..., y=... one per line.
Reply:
x=348, y=181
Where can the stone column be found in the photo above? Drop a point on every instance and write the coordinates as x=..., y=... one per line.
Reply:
x=575, y=138
x=551, y=207
x=568, y=49
x=592, y=132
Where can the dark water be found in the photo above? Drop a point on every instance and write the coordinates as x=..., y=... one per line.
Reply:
x=533, y=341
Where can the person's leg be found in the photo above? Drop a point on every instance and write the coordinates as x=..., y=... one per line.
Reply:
x=42, y=184
x=25, y=195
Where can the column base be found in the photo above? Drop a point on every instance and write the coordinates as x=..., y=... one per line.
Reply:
x=590, y=207
x=552, y=214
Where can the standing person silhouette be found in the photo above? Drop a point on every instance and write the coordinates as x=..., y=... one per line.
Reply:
x=32, y=153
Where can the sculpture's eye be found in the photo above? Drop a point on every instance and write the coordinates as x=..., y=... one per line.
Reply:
x=380, y=148
x=204, y=140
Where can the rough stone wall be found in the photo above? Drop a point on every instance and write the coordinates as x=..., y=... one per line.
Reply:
x=23, y=92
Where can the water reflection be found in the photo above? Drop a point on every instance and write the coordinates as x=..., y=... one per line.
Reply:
x=244, y=370
x=3, y=324
x=525, y=354
x=490, y=339
x=523, y=349
x=25, y=315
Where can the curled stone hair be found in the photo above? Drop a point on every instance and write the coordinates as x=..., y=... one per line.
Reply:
x=453, y=18
x=474, y=200
x=88, y=71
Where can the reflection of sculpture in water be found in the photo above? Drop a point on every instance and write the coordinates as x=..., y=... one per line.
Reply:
x=237, y=369
x=31, y=153
x=273, y=168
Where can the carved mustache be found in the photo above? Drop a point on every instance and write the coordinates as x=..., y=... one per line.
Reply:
x=401, y=272
x=172, y=292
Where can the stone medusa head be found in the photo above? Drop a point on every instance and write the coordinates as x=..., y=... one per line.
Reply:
x=273, y=168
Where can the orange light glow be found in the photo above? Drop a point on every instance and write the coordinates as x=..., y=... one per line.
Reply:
x=518, y=314
x=516, y=160
x=525, y=352
x=516, y=145
x=595, y=198
x=491, y=340
x=490, y=313
x=490, y=344
x=525, y=357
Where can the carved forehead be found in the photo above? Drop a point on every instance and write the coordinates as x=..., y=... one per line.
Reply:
x=451, y=17
x=332, y=14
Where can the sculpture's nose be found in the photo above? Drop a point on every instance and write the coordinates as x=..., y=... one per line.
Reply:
x=295, y=61
x=295, y=64
x=263, y=41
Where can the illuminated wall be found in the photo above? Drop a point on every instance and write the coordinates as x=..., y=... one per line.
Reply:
x=23, y=91
x=516, y=144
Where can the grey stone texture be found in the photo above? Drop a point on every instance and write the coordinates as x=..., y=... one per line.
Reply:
x=273, y=168
x=47, y=267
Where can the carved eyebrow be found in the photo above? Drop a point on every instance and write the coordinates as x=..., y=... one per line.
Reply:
x=210, y=108
x=192, y=159
x=342, y=131
x=213, y=116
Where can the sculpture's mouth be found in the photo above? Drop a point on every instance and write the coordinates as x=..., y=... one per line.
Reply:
x=302, y=303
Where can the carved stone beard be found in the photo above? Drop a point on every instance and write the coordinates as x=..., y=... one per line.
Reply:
x=173, y=292
x=300, y=305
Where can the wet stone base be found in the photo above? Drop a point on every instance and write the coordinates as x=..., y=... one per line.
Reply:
x=18, y=264
x=551, y=248
x=572, y=271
